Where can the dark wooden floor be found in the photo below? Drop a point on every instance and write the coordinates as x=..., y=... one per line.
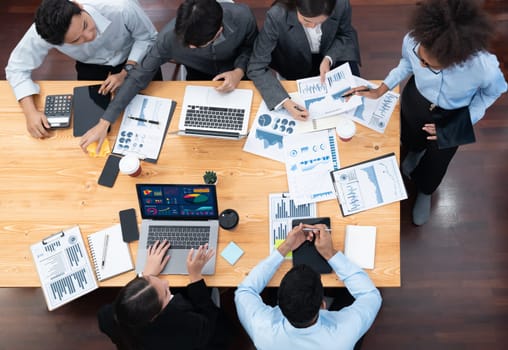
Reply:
x=454, y=292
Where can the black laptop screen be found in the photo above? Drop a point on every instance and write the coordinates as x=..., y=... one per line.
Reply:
x=170, y=202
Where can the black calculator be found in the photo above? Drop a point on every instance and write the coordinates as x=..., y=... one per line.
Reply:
x=58, y=109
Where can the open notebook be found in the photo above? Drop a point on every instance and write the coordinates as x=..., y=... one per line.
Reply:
x=110, y=254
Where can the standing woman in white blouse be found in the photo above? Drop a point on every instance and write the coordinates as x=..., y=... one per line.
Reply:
x=300, y=39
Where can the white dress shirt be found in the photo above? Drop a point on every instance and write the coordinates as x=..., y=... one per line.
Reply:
x=124, y=32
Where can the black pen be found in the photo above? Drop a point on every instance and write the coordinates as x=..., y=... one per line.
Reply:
x=352, y=93
x=298, y=108
x=144, y=120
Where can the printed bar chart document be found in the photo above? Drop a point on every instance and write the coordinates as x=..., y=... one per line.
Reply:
x=63, y=267
x=282, y=212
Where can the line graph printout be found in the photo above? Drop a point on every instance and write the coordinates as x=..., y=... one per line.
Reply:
x=369, y=184
x=309, y=159
x=63, y=267
x=282, y=212
x=324, y=100
x=374, y=114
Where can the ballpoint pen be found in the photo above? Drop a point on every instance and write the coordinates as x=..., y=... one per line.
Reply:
x=312, y=229
x=352, y=93
x=144, y=120
x=105, y=250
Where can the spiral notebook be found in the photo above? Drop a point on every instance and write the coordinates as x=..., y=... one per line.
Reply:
x=110, y=254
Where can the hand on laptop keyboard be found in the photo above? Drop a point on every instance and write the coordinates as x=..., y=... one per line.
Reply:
x=196, y=260
x=156, y=258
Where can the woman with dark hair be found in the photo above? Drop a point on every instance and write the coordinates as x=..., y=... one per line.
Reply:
x=146, y=315
x=300, y=39
x=453, y=79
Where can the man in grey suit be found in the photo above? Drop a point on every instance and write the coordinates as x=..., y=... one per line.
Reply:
x=300, y=39
x=214, y=41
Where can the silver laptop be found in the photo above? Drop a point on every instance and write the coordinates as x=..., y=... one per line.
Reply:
x=185, y=215
x=206, y=112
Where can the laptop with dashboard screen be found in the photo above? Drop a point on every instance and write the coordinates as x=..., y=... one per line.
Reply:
x=209, y=113
x=185, y=215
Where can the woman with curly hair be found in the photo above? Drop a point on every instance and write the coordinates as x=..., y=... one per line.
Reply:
x=451, y=74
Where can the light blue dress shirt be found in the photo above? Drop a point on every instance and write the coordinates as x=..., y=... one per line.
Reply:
x=337, y=330
x=124, y=32
x=476, y=83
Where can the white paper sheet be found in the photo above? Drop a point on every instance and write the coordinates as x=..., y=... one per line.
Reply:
x=143, y=127
x=324, y=100
x=309, y=159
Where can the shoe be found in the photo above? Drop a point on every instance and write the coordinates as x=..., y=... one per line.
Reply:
x=421, y=209
x=410, y=162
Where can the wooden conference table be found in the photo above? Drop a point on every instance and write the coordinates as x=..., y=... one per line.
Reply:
x=50, y=185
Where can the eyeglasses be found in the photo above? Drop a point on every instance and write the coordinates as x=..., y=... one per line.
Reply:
x=425, y=63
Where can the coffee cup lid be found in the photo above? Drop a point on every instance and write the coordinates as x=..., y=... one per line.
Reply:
x=129, y=164
x=346, y=128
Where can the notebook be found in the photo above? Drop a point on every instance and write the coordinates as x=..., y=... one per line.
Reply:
x=88, y=108
x=360, y=245
x=207, y=112
x=110, y=254
x=185, y=215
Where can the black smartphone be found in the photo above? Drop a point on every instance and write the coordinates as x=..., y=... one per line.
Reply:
x=109, y=172
x=129, y=225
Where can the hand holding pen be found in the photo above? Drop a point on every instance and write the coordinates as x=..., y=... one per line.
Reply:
x=298, y=112
x=365, y=91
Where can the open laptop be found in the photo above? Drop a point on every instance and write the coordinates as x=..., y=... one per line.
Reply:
x=185, y=215
x=206, y=112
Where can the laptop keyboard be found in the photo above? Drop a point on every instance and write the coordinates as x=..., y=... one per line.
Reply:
x=180, y=237
x=214, y=117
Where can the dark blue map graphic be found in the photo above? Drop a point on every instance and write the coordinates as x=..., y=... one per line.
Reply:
x=269, y=139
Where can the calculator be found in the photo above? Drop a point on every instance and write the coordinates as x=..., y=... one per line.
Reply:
x=58, y=110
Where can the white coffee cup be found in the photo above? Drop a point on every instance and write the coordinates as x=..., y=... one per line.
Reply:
x=346, y=129
x=130, y=165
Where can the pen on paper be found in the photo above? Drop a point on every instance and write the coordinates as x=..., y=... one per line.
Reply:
x=105, y=250
x=312, y=229
x=144, y=120
x=352, y=93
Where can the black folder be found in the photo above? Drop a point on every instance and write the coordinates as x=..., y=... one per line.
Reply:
x=89, y=106
x=307, y=253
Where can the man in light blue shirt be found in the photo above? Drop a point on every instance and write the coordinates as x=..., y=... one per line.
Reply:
x=102, y=36
x=301, y=320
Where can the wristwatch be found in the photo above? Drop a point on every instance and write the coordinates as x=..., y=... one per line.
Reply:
x=128, y=67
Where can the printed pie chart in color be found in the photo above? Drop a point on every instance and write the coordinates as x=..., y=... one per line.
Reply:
x=195, y=197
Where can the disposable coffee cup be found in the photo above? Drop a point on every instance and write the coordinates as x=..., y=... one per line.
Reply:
x=346, y=129
x=130, y=165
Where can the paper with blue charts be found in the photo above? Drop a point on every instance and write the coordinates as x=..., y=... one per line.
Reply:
x=309, y=159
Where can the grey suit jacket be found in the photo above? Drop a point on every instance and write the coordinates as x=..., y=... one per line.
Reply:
x=283, y=46
x=231, y=50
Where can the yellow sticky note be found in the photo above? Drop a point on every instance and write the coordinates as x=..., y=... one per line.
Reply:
x=278, y=242
x=103, y=152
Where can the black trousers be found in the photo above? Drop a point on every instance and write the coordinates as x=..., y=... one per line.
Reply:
x=88, y=71
x=415, y=113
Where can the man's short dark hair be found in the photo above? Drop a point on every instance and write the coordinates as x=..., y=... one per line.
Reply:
x=451, y=31
x=198, y=21
x=53, y=18
x=300, y=295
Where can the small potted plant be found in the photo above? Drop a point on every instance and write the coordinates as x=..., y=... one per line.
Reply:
x=210, y=177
